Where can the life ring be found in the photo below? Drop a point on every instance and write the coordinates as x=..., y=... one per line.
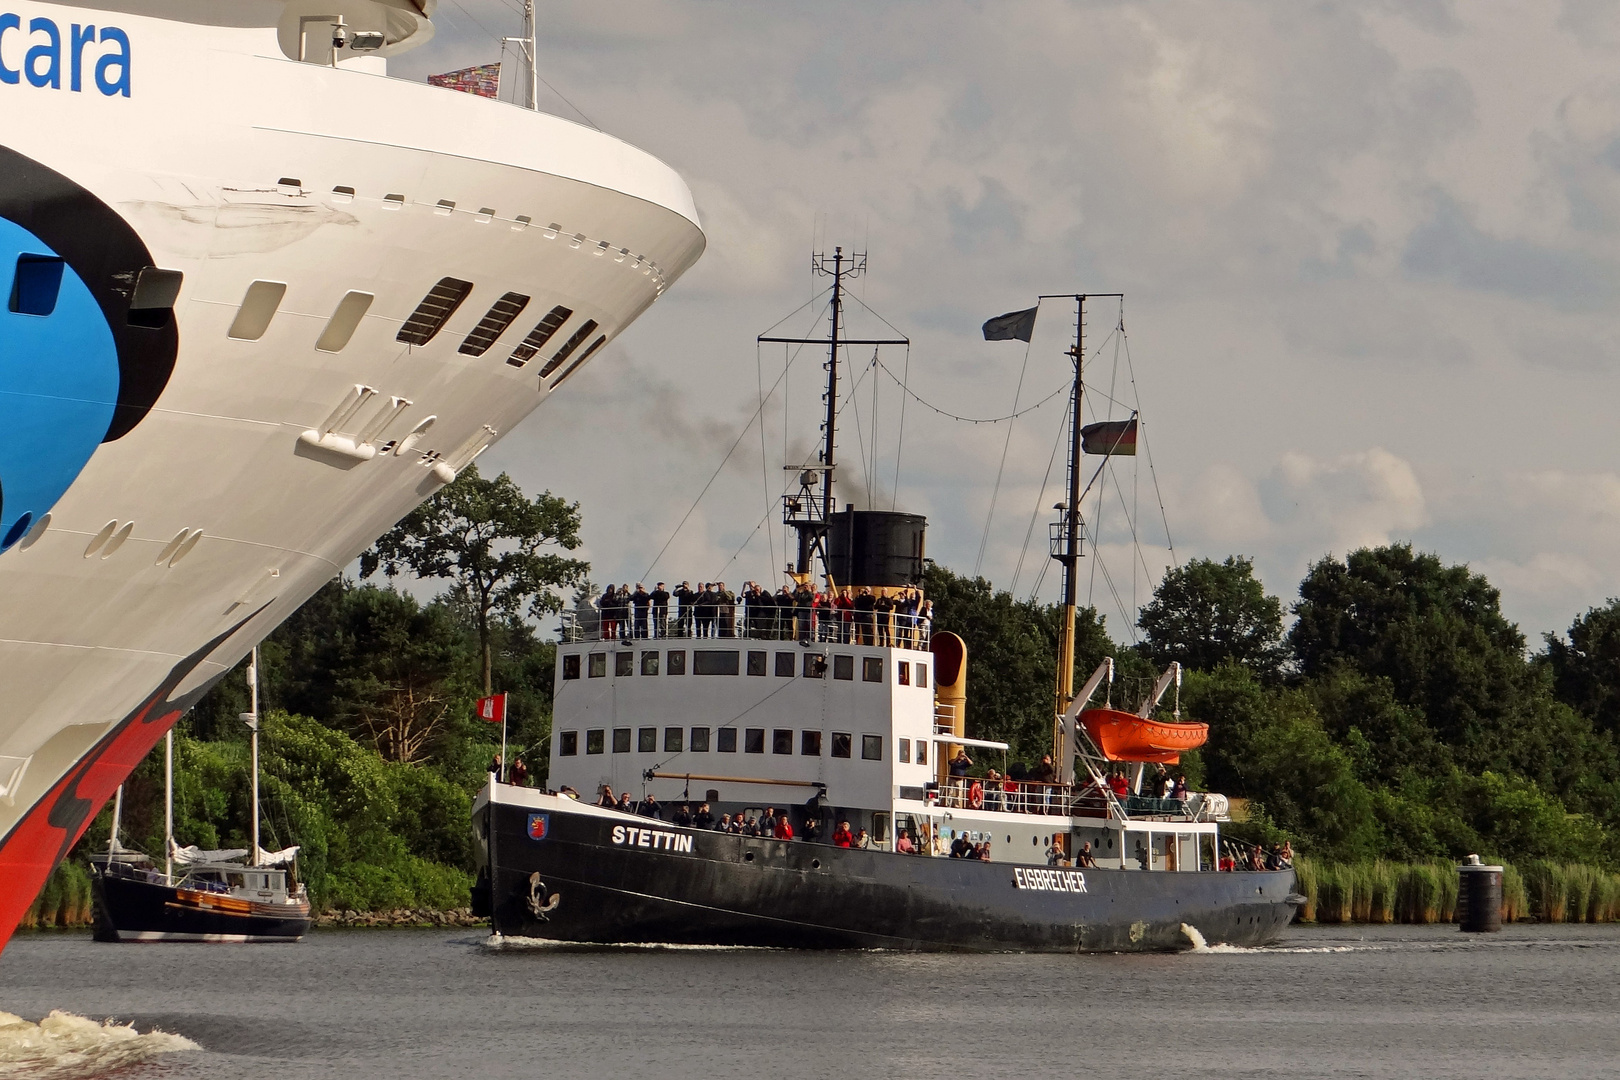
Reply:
x=976, y=796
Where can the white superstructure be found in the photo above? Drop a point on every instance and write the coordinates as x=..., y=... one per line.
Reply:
x=359, y=264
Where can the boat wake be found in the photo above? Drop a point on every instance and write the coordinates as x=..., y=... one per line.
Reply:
x=1199, y=945
x=63, y=1045
x=518, y=943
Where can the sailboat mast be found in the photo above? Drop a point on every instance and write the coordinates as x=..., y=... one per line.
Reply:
x=1071, y=535
x=118, y=816
x=253, y=697
x=832, y=386
x=168, y=806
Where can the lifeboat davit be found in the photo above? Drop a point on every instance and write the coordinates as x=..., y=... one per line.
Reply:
x=1123, y=736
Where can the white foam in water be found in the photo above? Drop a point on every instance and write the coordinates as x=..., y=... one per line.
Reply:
x=516, y=942
x=63, y=1045
x=1199, y=945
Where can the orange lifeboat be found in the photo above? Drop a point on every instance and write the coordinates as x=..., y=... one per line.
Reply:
x=1123, y=736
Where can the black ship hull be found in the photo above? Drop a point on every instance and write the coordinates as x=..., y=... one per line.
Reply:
x=573, y=874
x=130, y=909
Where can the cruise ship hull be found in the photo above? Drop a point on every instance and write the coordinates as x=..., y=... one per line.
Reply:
x=554, y=869
x=179, y=478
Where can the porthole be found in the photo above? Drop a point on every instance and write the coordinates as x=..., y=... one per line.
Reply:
x=171, y=547
x=815, y=864
x=117, y=540
x=100, y=538
x=344, y=322
x=36, y=532
x=748, y=856
x=186, y=546
x=434, y=311
x=259, y=306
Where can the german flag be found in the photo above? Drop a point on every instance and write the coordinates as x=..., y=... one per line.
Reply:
x=1111, y=438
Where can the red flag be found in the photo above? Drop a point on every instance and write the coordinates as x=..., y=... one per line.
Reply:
x=1112, y=438
x=493, y=709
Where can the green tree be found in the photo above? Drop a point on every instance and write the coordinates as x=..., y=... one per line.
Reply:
x=1586, y=669
x=500, y=548
x=1206, y=613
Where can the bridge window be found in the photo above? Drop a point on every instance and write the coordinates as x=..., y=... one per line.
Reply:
x=536, y=339
x=37, y=285
x=672, y=739
x=647, y=740
x=434, y=311
x=677, y=661
x=649, y=663
x=844, y=668
x=782, y=741
x=570, y=666
x=902, y=672
x=922, y=675
x=754, y=740
x=568, y=744
x=756, y=663
x=598, y=665
x=904, y=753
x=810, y=743
x=593, y=741
x=784, y=665
x=922, y=751
x=700, y=740
x=815, y=666
x=727, y=742
x=621, y=740
x=841, y=742
x=624, y=663
x=872, y=669
x=714, y=662
x=494, y=323
x=871, y=748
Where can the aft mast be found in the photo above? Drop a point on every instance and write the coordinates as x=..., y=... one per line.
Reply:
x=529, y=46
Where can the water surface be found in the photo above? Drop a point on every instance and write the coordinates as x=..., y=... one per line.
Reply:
x=1429, y=1002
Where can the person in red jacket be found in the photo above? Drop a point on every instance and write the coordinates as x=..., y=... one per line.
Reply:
x=784, y=828
x=842, y=837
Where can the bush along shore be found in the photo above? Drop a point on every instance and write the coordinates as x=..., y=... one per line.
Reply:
x=1378, y=891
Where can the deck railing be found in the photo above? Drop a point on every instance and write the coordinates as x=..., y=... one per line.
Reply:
x=775, y=624
x=1077, y=800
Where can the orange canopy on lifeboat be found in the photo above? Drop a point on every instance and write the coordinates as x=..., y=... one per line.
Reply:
x=1123, y=736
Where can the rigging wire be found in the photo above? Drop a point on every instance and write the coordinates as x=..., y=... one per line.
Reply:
x=1164, y=515
x=764, y=457
x=1040, y=500
x=1006, y=444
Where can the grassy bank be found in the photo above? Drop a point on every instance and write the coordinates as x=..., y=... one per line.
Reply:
x=64, y=901
x=1376, y=891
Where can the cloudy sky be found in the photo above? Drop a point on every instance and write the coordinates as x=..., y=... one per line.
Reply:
x=1370, y=253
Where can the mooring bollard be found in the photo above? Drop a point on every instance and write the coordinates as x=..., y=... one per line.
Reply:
x=1479, y=897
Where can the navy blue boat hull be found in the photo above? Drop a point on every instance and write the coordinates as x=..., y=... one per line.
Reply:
x=612, y=879
x=128, y=909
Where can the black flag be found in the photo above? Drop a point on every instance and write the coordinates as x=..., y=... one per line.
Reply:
x=1014, y=324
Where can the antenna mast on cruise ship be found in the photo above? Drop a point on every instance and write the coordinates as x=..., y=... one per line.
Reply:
x=529, y=46
x=801, y=512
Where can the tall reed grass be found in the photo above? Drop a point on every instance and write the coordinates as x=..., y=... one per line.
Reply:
x=64, y=901
x=1376, y=891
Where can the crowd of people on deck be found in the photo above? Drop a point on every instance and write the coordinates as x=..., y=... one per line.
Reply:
x=849, y=616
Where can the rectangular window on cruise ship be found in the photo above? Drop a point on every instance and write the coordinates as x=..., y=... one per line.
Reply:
x=593, y=741
x=904, y=755
x=841, y=742
x=871, y=748
x=815, y=666
x=677, y=661
x=756, y=662
x=647, y=740
x=902, y=672
x=672, y=739
x=872, y=669
x=726, y=740
x=621, y=740
x=810, y=743
x=714, y=662
x=624, y=664
x=649, y=663
x=922, y=675
x=784, y=665
x=844, y=668
x=922, y=751
x=781, y=741
x=598, y=665
x=754, y=740
x=571, y=666
x=700, y=740
x=568, y=744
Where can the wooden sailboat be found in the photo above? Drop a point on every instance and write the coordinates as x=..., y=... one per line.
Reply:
x=234, y=895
